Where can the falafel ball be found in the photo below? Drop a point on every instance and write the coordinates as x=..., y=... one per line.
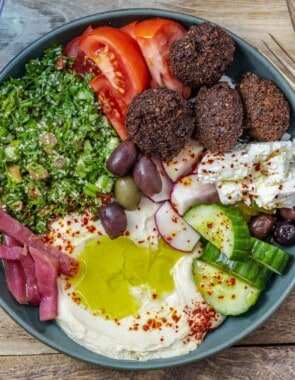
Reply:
x=202, y=55
x=267, y=111
x=219, y=117
x=160, y=122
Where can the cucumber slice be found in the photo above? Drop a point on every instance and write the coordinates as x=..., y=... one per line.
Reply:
x=254, y=273
x=271, y=256
x=226, y=293
x=224, y=227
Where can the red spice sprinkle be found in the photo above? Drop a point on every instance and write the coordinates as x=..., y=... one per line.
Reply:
x=76, y=298
x=200, y=318
x=152, y=324
x=91, y=229
x=257, y=167
x=209, y=225
x=85, y=221
x=175, y=317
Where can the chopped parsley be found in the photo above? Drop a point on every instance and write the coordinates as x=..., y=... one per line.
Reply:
x=54, y=142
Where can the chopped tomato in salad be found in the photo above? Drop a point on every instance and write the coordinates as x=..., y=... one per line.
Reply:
x=155, y=37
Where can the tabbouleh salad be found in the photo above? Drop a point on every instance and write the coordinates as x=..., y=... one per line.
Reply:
x=54, y=142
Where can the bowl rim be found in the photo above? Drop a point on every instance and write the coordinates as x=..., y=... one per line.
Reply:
x=165, y=362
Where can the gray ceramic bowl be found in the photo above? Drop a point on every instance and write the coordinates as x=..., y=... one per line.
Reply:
x=233, y=329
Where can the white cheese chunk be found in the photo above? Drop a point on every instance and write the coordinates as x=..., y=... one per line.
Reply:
x=233, y=165
x=263, y=172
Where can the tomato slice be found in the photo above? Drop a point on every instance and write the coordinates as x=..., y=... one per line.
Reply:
x=155, y=37
x=119, y=58
x=112, y=104
x=81, y=64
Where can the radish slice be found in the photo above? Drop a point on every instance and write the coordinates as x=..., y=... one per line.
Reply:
x=167, y=184
x=185, y=161
x=189, y=191
x=174, y=230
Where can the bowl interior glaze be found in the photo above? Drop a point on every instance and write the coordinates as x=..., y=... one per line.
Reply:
x=233, y=329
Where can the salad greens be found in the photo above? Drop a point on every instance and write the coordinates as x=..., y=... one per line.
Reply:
x=54, y=142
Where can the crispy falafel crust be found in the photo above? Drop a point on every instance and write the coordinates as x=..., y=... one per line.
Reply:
x=219, y=117
x=267, y=111
x=202, y=55
x=160, y=122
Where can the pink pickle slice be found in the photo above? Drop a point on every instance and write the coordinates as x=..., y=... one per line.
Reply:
x=32, y=289
x=46, y=269
x=66, y=265
x=9, y=241
x=16, y=281
x=16, y=230
x=11, y=253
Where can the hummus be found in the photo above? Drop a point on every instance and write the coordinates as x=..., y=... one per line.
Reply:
x=133, y=297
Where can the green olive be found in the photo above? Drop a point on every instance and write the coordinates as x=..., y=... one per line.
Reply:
x=126, y=192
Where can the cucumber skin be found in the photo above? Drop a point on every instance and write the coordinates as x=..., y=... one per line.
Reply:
x=241, y=236
x=254, y=273
x=226, y=293
x=270, y=256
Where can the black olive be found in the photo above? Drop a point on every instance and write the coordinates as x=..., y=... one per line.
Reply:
x=147, y=177
x=285, y=233
x=262, y=225
x=122, y=159
x=113, y=219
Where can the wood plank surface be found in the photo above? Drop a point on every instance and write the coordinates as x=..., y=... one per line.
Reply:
x=269, y=352
x=263, y=363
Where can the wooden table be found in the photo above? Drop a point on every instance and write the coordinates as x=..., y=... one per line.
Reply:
x=269, y=352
